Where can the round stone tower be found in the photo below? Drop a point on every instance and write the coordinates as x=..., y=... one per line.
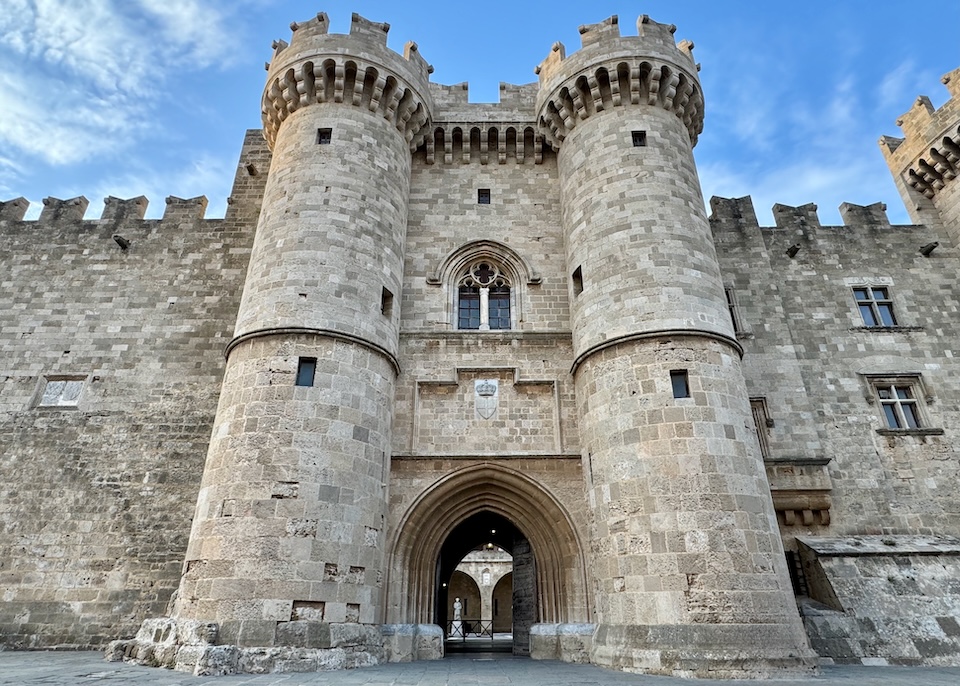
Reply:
x=287, y=543
x=689, y=572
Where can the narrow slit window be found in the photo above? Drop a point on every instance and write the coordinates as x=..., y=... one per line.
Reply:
x=577, y=281
x=386, y=303
x=306, y=370
x=762, y=422
x=734, y=310
x=680, y=382
x=324, y=136
x=483, y=196
x=639, y=139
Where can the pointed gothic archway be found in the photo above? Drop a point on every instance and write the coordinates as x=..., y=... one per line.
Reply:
x=561, y=594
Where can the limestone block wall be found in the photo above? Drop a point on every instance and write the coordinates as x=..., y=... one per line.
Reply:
x=436, y=401
x=810, y=354
x=445, y=218
x=884, y=599
x=96, y=496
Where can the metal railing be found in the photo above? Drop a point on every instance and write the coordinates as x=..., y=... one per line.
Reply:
x=462, y=629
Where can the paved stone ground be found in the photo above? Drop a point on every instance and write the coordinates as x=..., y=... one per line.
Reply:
x=78, y=668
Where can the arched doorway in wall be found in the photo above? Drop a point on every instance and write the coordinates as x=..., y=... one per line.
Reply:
x=456, y=514
x=474, y=632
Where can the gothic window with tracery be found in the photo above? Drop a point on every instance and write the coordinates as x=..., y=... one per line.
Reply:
x=483, y=298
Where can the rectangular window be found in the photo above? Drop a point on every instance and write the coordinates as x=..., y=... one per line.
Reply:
x=386, y=302
x=306, y=370
x=875, y=306
x=500, y=307
x=762, y=422
x=680, y=383
x=62, y=392
x=577, y=281
x=898, y=401
x=324, y=136
x=483, y=196
x=468, y=310
x=639, y=138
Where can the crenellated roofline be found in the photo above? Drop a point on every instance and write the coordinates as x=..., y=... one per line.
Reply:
x=611, y=70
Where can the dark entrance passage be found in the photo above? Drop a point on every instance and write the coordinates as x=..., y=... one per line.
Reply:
x=471, y=632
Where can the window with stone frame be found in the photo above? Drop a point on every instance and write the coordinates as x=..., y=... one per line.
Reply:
x=61, y=391
x=899, y=402
x=875, y=305
x=483, y=297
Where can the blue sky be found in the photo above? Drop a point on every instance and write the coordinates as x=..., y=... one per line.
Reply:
x=151, y=97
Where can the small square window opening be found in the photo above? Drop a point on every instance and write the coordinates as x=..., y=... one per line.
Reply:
x=306, y=370
x=639, y=138
x=875, y=305
x=324, y=136
x=483, y=196
x=680, y=382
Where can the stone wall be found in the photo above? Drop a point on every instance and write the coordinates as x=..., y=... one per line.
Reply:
x=808, y=352
x=96, y=497
x=884, y=599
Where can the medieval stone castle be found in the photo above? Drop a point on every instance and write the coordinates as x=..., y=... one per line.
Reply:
x=427, y=327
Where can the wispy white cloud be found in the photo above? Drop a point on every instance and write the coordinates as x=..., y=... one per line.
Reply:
x=80, y=77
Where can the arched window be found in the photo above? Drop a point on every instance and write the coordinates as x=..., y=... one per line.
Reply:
x=483, y=297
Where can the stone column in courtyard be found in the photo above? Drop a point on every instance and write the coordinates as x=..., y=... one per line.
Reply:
x=689, y=573
x=287, y=545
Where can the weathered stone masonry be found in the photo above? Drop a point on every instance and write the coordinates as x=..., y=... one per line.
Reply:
x=247, y=444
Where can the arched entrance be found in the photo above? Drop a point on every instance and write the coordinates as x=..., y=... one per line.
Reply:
x=457, y=513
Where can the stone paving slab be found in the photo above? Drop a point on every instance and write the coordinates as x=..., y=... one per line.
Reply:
x=69, y=668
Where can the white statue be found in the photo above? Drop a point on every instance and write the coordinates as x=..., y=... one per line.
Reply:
x=457, y=607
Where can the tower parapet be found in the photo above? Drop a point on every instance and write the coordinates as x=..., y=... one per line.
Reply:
x=611, y=70
x=925, y=163
x=358, y=70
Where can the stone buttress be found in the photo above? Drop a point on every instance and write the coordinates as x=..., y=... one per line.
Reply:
x=689, y=572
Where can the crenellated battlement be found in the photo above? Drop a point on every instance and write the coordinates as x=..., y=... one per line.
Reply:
x=465, y=132
x=611, y=70
x=802, y=218
x=355, y=69
x=927, y=157
x=115, y=210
